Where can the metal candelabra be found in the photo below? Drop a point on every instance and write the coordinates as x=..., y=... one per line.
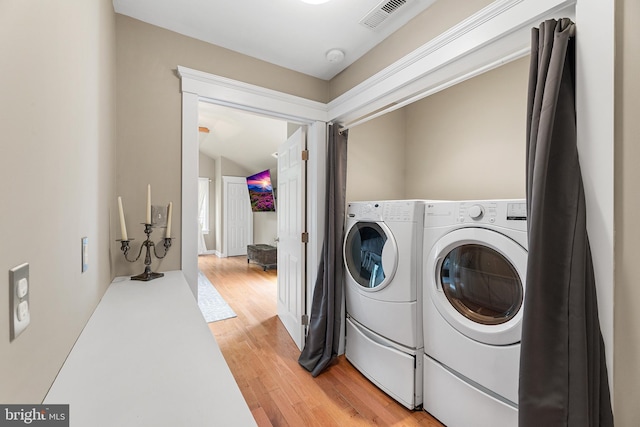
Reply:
x=147, y=274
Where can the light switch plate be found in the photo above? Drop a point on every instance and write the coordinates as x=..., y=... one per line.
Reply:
x=159, y=215
x=19, y=291
x=85, y=254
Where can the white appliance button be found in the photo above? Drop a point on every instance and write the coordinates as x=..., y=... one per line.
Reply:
x=475, y=211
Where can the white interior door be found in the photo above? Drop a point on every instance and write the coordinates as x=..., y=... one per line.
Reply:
x=291, y=225
x=238, y=218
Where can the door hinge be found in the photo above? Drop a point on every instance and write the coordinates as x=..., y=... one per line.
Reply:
x=305, y=320
x=305, y=237
x=305, y=155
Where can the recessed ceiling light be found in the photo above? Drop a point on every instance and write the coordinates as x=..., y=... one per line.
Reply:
x=315, y=1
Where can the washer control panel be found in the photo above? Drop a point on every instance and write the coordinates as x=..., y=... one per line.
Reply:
x=385, y=211
x=401, y=211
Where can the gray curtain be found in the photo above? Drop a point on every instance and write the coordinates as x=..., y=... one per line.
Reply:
x=324, y=324
x=563, y=374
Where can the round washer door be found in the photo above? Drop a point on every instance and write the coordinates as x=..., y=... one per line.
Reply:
x=370, y=255
x=476, y=280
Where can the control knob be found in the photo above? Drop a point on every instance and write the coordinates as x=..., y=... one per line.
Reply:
x=476, y=211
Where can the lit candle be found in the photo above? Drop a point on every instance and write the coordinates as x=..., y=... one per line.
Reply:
x=123, y=226
x=148, y=204
x=168, y=235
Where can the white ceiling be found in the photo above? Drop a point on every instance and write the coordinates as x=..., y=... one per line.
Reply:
x=288, y=33
x=245, y=138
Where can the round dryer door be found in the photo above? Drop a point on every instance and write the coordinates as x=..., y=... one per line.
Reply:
x=370, y=255
x=479, y=284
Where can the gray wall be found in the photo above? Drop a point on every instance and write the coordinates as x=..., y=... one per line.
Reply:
x=376, y=161
x=57, y=170
x=466, y=142
x=265, y=228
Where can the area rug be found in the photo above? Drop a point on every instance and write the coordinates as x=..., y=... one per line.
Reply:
x=211, y=303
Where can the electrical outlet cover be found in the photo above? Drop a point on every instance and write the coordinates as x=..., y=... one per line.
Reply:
x=23, y=288
x=23, y=311
x=19, y=291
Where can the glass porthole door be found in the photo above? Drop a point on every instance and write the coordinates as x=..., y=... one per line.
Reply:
x=363, y=253
x=479, y=284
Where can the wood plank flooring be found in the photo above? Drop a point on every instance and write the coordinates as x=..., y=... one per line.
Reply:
x=264, y=361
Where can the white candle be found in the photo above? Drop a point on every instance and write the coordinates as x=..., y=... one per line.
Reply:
x=168, y=235
x=148, y=221
x=123, y=226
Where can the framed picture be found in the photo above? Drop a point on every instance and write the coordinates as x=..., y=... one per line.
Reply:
x=261, y=192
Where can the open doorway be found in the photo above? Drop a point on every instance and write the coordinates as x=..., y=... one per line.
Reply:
x=311, y=115
x=234, y=145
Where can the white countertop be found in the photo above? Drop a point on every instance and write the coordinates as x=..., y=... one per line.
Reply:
x=147, y=358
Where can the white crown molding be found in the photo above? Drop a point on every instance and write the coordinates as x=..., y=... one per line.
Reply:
x=496, y=34
x=229, y=92
x=455, y=32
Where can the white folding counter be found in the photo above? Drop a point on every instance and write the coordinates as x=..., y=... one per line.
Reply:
x=147, y=358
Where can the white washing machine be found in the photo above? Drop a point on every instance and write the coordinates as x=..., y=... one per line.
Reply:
x=382, y=253
x=475, y=262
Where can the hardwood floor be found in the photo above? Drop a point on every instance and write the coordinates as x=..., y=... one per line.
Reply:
x=264, y=361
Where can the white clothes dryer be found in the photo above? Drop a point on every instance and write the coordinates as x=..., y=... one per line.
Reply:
x=382, y=252
x=475, y=261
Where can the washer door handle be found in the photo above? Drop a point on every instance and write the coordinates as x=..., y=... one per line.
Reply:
x=436, y=274
x=388, y=259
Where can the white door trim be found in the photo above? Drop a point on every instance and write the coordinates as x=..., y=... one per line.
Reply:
x=189, y=208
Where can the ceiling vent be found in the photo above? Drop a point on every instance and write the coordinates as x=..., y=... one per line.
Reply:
x=382, y=12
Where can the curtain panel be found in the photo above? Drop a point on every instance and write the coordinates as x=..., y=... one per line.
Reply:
x=563, y=374
x=323, y=336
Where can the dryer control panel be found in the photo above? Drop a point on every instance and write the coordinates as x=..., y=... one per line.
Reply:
x=500, y=212
x=477, y=212
x=508, y=213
